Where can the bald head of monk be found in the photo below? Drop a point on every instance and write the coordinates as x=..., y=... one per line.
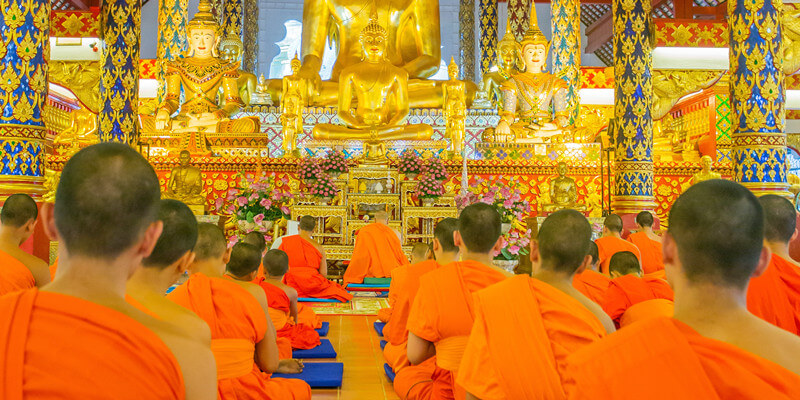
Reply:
x=256, y=239
x=420, y=252
x=244, y=262
x=382, y=217
x=178, y=237
x=276, y=263
x=644, y=219
x=479, y=229
x=562, y=245
x=612, y=225
x=624, y=263
x=594, y=252
x=780, y=219
x=18, y=217
x=307, y=223
x=211, y=250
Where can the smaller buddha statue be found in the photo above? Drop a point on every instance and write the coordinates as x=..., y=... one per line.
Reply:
x=186, y=184
x=509, y=63
x=261, y=96
x=292, y=104
x=455, y=109
x=706, y=173
x=82, y=131
x=563, y=193
x=230, y=49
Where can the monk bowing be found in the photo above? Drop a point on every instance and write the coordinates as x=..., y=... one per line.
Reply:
x=77, y=337
x=419, y=253
x=713, y=348
x=308, y=266
x=591, y=283
x=242, y=336
x=18, y=269
x=612, y=242
x=441, y=316
x=775, y=295
x=628, y=287
x=396, y=331
x=376, y=253
x=649, y=245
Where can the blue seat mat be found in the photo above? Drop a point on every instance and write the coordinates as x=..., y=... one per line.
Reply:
x=323, y=331
x=378, y=325
x=324, y=350
x=389, y=373
x=383, y=344
x=373, y=281
x=319, y=375
x=314, y=300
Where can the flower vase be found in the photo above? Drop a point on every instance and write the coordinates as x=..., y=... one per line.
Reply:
x=412, y=175
x=507, y=265
x=324, y=201
x=428, y=201
x=505, y=227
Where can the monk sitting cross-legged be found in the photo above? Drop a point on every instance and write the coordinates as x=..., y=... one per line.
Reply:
x=612, y=242
x=242, y=336
x=775, y=295
x=376, y=253
x=628, y=288
x=18, y=269
x=396, y=331
x=441, y=316
x=77, y=338
x=525, y=327
x=712, y=348
x=308, y=265
x=590, y=282
x=419, y=253
x=649, y=244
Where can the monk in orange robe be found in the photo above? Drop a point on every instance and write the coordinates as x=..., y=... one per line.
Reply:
x=712, y=348
x=242, y=336
x=308, y=266
x=376, y=253
x=612, y=242
x=548, y=321
x=257, y=239
x=648, y=243
x=441, y=316
x=18, y=269
x=628, y=287
x=775, y=295
x=591, y=283
x=419, y=253
x=77, y=337
x=396, y=331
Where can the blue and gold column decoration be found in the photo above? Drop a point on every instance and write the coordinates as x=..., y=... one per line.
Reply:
x=633, y=96
x=518, y=17
x=172, y=18
x=24, y=51
x=488, y=11
x=466, y=30
x=232, y=14
x=119, y=73
x=566, y=49
x=758, y=95
x=250, y=35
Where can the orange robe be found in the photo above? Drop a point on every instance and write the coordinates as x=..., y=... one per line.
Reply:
x=303, y=274
x=592, y=284
x=652, y=259
x=442, y=313
x=663, y=358
x=775, y=295
x=630, y=289
x=610, y=245
x=302, y=336
x=396, y=330
x=532, y=338
x=395, y=286
x=237, y=323
x=376, y=253
x=53, y=269
x=14, y=275
x=54, y=346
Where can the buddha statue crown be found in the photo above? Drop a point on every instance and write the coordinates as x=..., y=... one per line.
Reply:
x=373, y=28
x=203, y=18
x=230, y=40
x=295, y=63
x=452, y=69
x=534, y=35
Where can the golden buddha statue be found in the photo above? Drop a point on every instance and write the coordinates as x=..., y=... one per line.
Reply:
x=381, y=91
x=81, y=132
x=261, y=96
x=509, y=63
x=454, y=109
x=202, y=75
x=292, y=104
x=186, y=184
x=230, y=49
x=706, y=173
x=563, y=193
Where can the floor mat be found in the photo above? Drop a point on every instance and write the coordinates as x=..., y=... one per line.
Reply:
x=357, y=306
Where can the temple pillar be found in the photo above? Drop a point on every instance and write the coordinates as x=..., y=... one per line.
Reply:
x=172, y=18
x=250, y=42
x=566, y=49
x=24, y=51
x=488, y=10
x=633, y=95
x=518, y=15
x=757, y=95
x=232, y=19
x=119, y=73
x=466, y=30
x=217, y=8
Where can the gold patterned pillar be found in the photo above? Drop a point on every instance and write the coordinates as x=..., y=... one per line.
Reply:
x=172, y=18
x=217, y=8
x=488, y=10
x=466, y=29
x=232, y=18
x=566, y=49
x=24, y=51
x=518, y=17
x=250, y=53
x=758, y=95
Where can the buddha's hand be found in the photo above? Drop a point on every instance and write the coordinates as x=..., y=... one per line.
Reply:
x=312, y=80
x=291, y=366
x=202, y=119
x=503, y=128
x=561, y=121
x=162, y=119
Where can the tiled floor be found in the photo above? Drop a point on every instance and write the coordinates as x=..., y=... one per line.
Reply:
x=357, y=345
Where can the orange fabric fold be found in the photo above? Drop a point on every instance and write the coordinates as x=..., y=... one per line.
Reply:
x=652, y=259
x=398, y=280
x=303, y=274
x=302, y=336
x=234, y=357
x=610, y=245
x=376, y=253
x=775, y=295
x=53, y=269
x=233, y=313
x=669, y=360
x=627, y=290
x=592, y=284
x=14, y=275
x=531, y=338
x=54, y=346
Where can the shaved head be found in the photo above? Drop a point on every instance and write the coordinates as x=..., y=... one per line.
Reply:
x=245, y=259
x=480, y=226
x=644, y=219
x=307, y=223
x=178, y=236
x=420, y=251
x=780, y=218
x=256, y=239
x=613, y=223
x=594, y=252
x=210, y=242
x=382, y=216
x=276, y=263
x=624, y=263
x=443, y=232
x=17, y=210
x=564, y=239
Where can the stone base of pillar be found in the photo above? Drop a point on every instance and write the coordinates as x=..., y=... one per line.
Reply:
x=628, y=206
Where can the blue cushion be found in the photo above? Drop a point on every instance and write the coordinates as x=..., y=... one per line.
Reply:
x=373, y=281
x=388, y=370
x=324, y=350
x=314, y=300
x=319, y=375
x=378, y=325
x=383, y=344
x=323, y=331
x=368, y=286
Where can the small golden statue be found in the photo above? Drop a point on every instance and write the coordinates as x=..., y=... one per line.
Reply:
x=230, y=49
x=186, y=184
x=455, y=109
x=509, y=63
x=706, y=173
x=381, y=92
x=51, y=179
x=82, y=131
x=562, y=192
x=261, y=96
x=292, y=104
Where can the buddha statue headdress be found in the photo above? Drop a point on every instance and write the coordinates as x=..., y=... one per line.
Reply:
x=534, y=35
x=204, y=18
x=373, y=27
x=295, y=63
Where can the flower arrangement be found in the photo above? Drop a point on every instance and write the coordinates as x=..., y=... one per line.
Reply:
x=506, y=199
x=308, y=168
x=323, y=187
x=515, y=244
x=434, y=168
x=429, y=188
x=256, y=203
x=334, y=163
x=410, y=164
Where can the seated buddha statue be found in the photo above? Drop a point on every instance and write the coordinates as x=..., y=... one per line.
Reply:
x=381, y=93
x=508, y=64
x=186, y=184
x=81, y=132
x=706, y=173
x=563, y=193
x=230, y=49
x=202, y=75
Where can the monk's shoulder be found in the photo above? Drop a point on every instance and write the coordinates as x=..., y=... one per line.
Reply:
x=771, y=343
x=290, y=292
x=255, y=290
